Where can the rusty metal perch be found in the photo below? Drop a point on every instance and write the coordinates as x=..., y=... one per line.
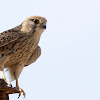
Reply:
x=6, y=90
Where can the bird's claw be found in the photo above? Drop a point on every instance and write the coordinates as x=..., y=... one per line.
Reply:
x=8, y=83
x=21, y=91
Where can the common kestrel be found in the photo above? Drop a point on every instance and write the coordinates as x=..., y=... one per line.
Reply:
x=19, y=47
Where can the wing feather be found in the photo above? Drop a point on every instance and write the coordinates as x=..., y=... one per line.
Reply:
x=10, y=35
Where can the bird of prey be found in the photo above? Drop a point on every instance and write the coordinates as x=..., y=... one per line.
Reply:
x=19, y=47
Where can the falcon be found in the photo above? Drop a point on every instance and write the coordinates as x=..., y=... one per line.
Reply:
x=19, y=47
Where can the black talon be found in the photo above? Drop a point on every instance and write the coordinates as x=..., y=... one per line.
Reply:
x=18, y=97
x=11, y=85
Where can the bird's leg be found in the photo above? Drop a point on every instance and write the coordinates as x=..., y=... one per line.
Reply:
x=20, y=90
x=3, y=76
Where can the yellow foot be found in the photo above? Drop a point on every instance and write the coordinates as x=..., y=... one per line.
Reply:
x=8, y=83
x=21, y=91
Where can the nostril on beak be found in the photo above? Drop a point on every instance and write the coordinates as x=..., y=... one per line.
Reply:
x=44, y=26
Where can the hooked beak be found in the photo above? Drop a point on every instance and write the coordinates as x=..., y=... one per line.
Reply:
x=44, y=26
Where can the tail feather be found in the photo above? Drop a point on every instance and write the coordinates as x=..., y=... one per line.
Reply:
x=11, y=71
x=14, y=71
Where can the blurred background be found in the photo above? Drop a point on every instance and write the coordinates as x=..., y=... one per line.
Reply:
x=69, y=67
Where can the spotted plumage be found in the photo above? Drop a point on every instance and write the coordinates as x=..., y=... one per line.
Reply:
x=19, y=46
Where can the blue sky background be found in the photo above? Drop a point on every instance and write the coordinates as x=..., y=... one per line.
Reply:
x=69, y=67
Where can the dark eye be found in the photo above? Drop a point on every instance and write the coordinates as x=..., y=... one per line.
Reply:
x=36, y=21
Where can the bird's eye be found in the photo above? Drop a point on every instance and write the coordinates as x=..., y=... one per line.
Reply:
x=36, y=21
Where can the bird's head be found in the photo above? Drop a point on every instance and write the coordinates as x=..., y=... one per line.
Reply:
x=34, y=23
